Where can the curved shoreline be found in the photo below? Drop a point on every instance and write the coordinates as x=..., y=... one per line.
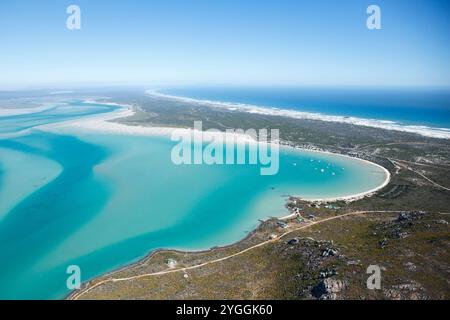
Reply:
x=352, y=197
x=102, y=123
x=154, y=252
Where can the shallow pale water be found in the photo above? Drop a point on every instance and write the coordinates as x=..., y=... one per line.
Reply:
x=101, y=201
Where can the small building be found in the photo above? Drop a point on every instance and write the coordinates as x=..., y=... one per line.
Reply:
x=171, y=263
x=332, y=207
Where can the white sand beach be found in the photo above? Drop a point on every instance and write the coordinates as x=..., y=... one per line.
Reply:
x=102, y=124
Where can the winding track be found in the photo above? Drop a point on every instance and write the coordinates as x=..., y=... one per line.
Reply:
x=402, y=165
x=89, y=288
x=394, y=161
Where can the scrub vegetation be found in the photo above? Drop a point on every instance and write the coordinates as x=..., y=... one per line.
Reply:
x=324, y=250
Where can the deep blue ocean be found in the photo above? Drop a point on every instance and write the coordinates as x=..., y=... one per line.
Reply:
x=411, y=107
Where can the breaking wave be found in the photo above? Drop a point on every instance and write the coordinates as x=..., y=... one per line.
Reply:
x=441, y=133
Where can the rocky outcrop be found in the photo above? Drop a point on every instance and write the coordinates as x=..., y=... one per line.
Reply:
x=328, y=289
x=406, y=291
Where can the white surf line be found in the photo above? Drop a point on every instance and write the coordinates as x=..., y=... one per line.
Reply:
x=76, y=296
x=420, y=174
x=433, y=132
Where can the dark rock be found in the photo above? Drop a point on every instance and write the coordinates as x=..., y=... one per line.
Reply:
x=404, y=216
x=326, y=273
x=441, y=222
x=326, y=252
x=383, y=243
x=401, y=234
x=328, y=289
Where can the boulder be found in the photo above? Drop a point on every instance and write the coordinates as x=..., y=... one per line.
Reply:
x=328, y=289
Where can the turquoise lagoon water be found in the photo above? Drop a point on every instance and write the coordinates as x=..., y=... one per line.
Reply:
x=101, y=201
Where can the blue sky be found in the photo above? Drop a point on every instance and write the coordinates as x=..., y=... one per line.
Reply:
x=234, y=42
